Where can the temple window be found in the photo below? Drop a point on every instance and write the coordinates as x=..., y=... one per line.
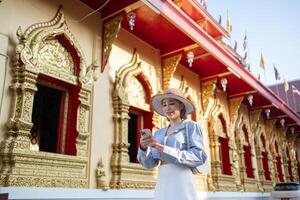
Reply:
x=46, y=119
x=54, y=117
x=224, y=147
x=139, y=113
x=265, y=159
x=247, y=154
x=139, y=119
x=278, y=163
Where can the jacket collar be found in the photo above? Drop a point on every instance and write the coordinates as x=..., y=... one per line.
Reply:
x=180, y=126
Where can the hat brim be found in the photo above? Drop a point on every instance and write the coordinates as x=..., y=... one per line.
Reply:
x=156, y=103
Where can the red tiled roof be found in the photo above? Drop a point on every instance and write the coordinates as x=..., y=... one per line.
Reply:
x=292, y=99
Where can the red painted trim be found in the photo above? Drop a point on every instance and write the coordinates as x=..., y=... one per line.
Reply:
x=266, y=165
x=71, y=130
x=181, y=20
x=60, y=122
x=225, y=158
x=209, y=18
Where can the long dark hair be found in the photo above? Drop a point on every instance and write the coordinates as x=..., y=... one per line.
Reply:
x=182, y=111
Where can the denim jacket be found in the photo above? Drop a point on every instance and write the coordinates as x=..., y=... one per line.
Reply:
x=175, y=150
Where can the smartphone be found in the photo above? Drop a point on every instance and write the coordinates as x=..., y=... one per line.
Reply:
x=146, y=132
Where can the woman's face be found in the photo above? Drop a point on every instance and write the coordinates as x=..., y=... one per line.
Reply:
x=172, y=109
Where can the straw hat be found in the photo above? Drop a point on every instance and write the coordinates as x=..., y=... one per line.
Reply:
x=156, y=100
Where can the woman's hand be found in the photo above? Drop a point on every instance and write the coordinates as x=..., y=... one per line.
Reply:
x=146, y=139
x=157, y=146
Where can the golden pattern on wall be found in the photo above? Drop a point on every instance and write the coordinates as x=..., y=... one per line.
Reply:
x=209, y=89
x=39, y=52
x=291, y=140
x=137, y=95
x=241, y=130
x=52, y=54
x=269, y=127
x=282, y=140
x=111, y=28
x=169, y=66
x=254, y=120
x=126, y=174
x=213, y=112
x=234, y=106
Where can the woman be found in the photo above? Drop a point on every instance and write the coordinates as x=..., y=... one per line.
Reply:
x=168, y=148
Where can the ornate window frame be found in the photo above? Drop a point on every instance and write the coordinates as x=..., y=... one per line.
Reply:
x=21, y=166
x=124, y=173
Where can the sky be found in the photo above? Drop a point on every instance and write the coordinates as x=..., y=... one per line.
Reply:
x=273, y=29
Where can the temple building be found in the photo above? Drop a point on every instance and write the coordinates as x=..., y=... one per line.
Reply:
x=76, y=78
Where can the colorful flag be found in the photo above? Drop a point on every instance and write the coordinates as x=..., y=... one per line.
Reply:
x=277, y=75
x=295, y=90
x=286, y=85
x=262, y=62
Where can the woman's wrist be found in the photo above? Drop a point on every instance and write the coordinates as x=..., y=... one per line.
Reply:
x=143, y=149
x=159, y=147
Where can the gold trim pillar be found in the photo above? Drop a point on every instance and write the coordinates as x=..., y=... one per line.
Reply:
x=256, y=131
x=236, y=167
x=269, y=127
x=209, y=103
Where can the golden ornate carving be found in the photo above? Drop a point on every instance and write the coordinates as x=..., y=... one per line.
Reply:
x=40, y=52
x=269, y=126
x=88, y=74
x=292, y=152
x=124, y=173
x=111, y=28
x=137, y=96
x=241, y=129
x=183, y=86
x=282, y=140
x=178, y=3
x=234, y=106
x=254, y=119
x=258, y=152
x=209, y=89
x=169, y=66
x=235, y=167
x=100, y=176
x=51, y=54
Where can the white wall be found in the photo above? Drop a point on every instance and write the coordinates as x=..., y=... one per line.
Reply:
x=4, y=62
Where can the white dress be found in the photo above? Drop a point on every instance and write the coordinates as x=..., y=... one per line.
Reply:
x=175, y=182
